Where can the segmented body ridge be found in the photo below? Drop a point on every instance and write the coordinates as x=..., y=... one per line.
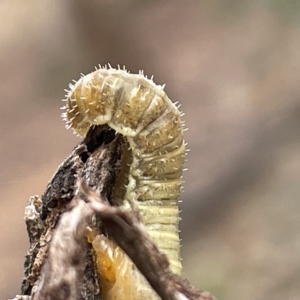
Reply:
x=141, y=111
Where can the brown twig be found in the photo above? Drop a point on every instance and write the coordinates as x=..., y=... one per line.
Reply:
x=55, y=226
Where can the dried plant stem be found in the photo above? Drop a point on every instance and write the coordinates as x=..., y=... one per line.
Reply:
x=60, y=263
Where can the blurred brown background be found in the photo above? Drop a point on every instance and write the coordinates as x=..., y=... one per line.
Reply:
x=233, y=65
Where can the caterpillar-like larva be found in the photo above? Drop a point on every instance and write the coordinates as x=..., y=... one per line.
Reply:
x=142, y=112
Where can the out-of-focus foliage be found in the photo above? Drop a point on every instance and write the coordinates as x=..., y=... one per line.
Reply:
x=288, y=10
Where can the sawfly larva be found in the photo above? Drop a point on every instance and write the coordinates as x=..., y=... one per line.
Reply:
x=142, y=112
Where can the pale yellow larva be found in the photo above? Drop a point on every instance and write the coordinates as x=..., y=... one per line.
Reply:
x=141, y=111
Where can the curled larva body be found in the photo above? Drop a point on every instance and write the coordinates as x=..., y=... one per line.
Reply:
x=141, y=111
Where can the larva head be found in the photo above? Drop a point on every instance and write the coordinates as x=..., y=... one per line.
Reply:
x=89, y=102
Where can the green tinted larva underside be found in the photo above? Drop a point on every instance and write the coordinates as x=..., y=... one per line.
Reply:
x=142, y=112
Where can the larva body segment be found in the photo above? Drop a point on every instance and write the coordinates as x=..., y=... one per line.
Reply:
x=141, y=111
x=119, y=279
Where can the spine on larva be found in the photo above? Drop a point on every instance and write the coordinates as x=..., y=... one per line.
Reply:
x=141, y=111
